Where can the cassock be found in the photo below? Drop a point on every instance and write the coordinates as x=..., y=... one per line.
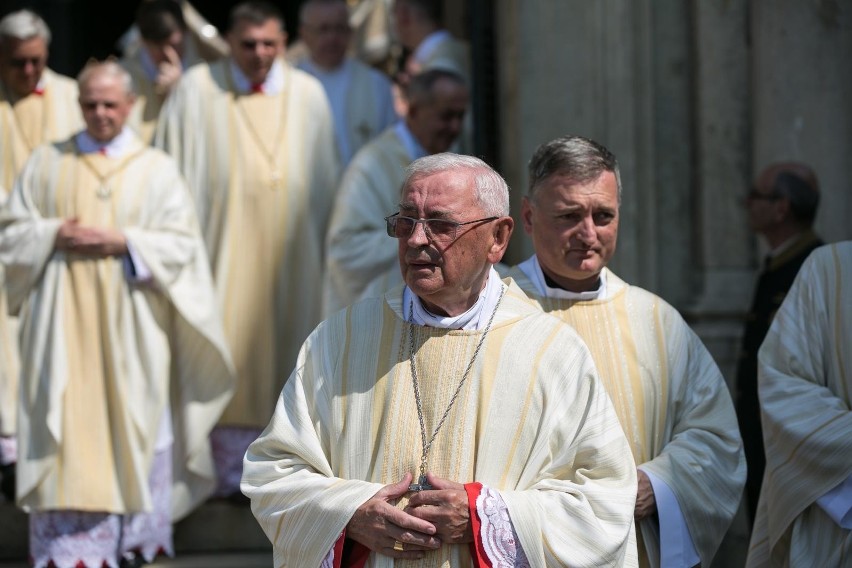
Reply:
x=106, y=360
x=804, y=515
x=671, y=400
x=532, y=422
x=358, y=247
x=263, y=171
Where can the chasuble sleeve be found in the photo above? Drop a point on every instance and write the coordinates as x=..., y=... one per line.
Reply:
x=805, y=399
x=27, y=237
x=703, y=462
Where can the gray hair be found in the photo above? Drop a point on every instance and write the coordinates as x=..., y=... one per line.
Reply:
x=580, y=159
x=110, y=68
x=492, y=192
x=420, y=88
x=22, y=25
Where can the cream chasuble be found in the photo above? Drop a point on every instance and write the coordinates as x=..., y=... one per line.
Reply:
x=35, y=120
x=24, y=125
x=532, y=421
x=263, y=172
x=671, y=400
x=102, y=357
x=805, y=386
x=358, y=247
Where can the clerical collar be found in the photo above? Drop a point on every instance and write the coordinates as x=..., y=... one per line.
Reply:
x=273, y=84
x=409, y=142
x=475, y=318
x=429, y=45
x=532, y=269
x=118, y=147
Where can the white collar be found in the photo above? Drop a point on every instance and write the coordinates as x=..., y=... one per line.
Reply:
x=273, y=84
x=476, y=317
x=532, y=269
x=409, y=142
x=429, y=44
x=119, y=146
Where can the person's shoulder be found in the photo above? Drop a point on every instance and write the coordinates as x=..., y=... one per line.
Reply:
x=58, y=81
x=359, y=66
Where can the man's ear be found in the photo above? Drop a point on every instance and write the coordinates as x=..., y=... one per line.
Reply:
x=526, y=214
x=503, y=228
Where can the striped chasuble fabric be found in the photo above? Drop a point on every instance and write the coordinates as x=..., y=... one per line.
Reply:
x=671, y=400
x=805, y=385
x=263, y=172
x=532, y=421
x=102, y=359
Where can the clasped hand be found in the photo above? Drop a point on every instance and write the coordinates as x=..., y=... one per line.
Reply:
x=92, y=241
x=430, y=519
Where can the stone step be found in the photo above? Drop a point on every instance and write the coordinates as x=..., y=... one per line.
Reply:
x=217, y=534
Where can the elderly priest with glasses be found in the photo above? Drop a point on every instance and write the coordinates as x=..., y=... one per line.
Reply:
x=450, y=422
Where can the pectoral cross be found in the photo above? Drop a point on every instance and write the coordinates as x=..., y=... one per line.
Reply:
x=421, y=485
x=275, y=179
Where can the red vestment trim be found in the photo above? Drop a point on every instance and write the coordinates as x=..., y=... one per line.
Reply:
x=477, y=550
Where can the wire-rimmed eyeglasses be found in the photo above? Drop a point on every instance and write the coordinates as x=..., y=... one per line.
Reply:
x=443, y=230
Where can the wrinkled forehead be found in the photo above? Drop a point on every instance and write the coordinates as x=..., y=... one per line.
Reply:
x=442, y=194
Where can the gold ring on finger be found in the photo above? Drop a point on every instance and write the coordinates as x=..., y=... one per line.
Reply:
x=398, y=546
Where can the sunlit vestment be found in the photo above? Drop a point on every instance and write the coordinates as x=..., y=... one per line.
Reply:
x=50, y=113
x=149, y=99
x=805, y=383
x=104, y=360
x=671, y=400
x=358, y=247
x=532, y=421
x=263, y=170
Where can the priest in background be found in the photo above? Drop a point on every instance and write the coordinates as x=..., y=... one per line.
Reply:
x=360, y=258
x=360, y=96
x=254, y=138
x=124, y=367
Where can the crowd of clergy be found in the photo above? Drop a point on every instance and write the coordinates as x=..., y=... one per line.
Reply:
x=226, y=261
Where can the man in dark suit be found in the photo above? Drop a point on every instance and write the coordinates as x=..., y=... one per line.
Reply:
x=781, y=208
